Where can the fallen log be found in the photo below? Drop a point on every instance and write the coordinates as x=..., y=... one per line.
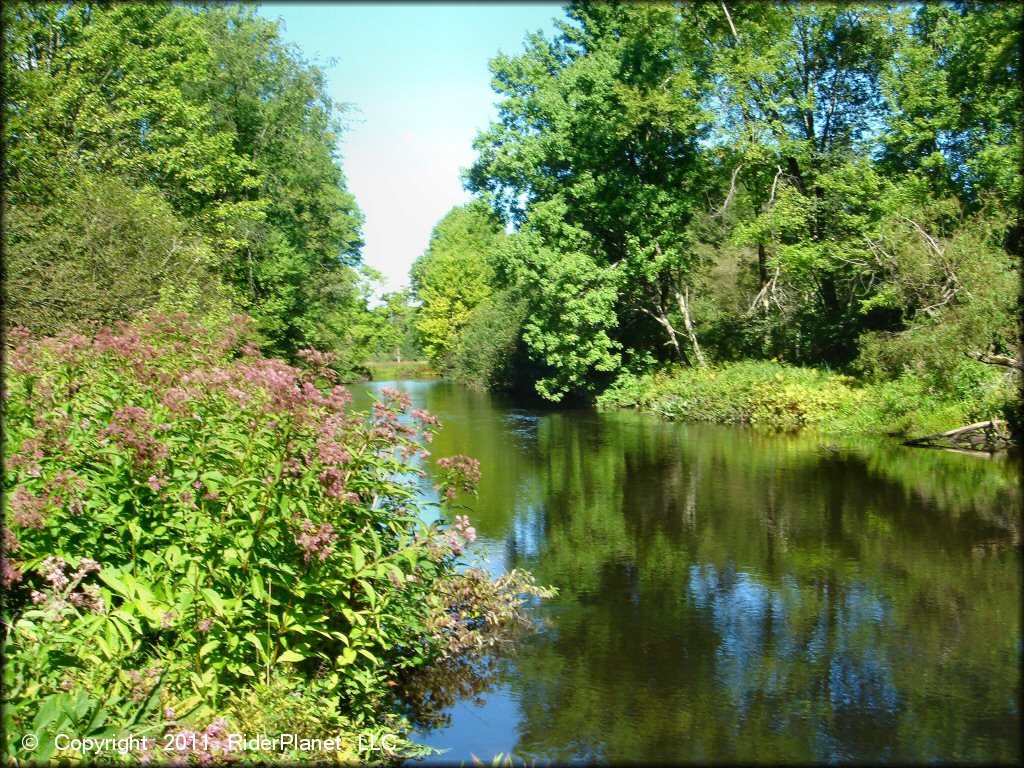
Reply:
x=991, y=435
x=1003, y=360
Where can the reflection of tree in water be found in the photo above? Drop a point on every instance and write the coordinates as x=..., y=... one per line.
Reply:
x=730, y=595
x=764, y=647
x=430, y=692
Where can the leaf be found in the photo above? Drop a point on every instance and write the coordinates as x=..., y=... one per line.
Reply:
x=51, y=708
x=368, y=588
x=208, y=646
x=358, y=559
x=214, y=600
x=289, y=656
x=107, y=577
x=369, y=655
x=256, y=583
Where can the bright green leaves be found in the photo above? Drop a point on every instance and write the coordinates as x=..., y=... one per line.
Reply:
x=571, y=307
x=453, y=276
x=177, y=157
x=732, y=168
x=596, y=158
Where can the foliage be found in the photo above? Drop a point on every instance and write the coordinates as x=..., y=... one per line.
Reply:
x=778, y=396
x=396, y=335
x=188, y=518
x=101, y=252
x=411, y=369
x=184, y=147
x=453, y=276
x=489, y=354
x=570, y=307
x=831, y=184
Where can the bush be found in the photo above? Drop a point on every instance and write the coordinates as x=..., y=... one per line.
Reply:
x=189, y=519
x=777, y=396
x=486, y=348
x=101, y=252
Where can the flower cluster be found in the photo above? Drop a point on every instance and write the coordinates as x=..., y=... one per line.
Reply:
x=60, y=589
x=460, y=472
x=316, y=540
x=459, y=535
x=141, y=682
x=9, y=574
x=174, y=433
x=132, y=430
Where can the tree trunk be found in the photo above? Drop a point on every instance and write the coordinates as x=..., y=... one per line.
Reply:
x=673, y=334
x=684, y=308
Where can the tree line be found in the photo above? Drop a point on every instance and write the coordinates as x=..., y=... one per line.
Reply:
x=831, y=185
x=180, y=158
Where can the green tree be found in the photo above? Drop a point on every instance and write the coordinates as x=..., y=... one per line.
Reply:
x=601, y=127
x=453, y=276
x=100, y=252
x=209, y=118
x=396, y=331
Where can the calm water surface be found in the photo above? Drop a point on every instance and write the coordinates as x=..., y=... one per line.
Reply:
x=732, y=596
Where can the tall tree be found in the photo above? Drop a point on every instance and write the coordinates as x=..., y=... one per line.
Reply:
x=454, y=275
x=204, y=110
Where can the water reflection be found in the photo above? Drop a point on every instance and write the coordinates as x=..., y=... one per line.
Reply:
x=727, y=596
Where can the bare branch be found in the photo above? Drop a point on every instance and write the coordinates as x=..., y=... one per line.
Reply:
x=732, y=26
x=775, y=184
x=732, y=191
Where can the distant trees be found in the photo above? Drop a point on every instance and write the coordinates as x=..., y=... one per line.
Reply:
x=453, y=276
x=396, y=335
x=180, y=156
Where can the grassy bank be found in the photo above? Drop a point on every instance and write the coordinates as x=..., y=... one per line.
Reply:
x=391, y=371
x=779, y=396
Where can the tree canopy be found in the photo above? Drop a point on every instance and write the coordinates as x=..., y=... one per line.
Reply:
x=180, y=148
x=699, y=182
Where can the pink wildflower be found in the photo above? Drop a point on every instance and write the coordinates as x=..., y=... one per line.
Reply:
x=26, y=509
x=316, y=541
x=52, y=569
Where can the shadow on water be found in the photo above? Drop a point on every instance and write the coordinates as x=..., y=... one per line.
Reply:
x=727, y=595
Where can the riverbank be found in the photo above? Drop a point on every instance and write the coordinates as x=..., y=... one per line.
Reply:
x=779, y=396
x=392, y=371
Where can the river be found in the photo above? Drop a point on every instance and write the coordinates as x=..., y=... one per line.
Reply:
x=727, y=595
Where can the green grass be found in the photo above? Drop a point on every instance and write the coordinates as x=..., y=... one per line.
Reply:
x=392, y=371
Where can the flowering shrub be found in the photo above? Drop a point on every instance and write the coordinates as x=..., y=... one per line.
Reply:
x=187, y=519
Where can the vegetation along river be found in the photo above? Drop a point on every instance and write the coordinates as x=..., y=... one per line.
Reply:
x=731, y=595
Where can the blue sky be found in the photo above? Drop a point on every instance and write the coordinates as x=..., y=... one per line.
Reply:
x=417, y=78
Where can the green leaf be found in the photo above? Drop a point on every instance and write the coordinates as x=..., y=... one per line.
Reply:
x=358, y=559
x=214, y=600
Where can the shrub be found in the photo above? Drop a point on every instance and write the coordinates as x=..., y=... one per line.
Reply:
x=101, y=252
x=777, y=396
x=188, y=519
